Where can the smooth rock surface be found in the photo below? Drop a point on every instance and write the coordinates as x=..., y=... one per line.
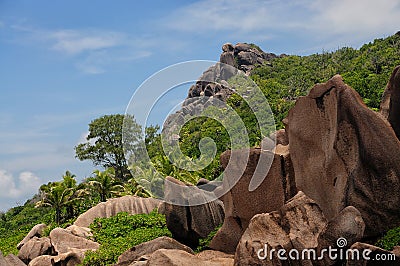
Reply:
x=129, y=204
x=147, y=248
x=345, y=154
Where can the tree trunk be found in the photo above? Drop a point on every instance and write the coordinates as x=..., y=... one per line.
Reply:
x=58, y=216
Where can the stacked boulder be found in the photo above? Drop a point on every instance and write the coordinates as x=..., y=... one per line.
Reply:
x=68, y=246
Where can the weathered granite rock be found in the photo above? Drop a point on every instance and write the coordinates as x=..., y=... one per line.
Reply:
x=130, y=204
x=240, y=203
x=390, y=105
x=63, y=241
x=296, y=225
x=346, y=228
x=171, y=257
x=147, y=248
x=10, y=260
x=71, y=258
x=79, y=231
x=369, y=255
x=37, y=231
x=35, y=247
x=191, y=222
x=345, y=154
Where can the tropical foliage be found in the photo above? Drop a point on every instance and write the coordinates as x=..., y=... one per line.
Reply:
x=282, y=80
x=104, y=145
x=121, y=232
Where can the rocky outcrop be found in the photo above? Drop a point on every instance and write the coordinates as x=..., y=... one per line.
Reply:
x=345, y=154
x=390, y=105
x=63, y=241
x=10, y=260
x=296, y=225
x=372, y=256
x=348, y=226
x=171, y=257
x=79, y=231
x=130, y=204
x=71, y=258
x=144, y=250
x=190, y=222
x=35, y=247
x=240, y=203
x=36, y=231
x=241, y=56
x=247, y=56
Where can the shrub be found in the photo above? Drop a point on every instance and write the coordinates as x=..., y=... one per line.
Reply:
x=390, y=239
x=121, y=232
x=204, y=242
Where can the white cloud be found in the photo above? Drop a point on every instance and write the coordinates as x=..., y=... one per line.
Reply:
x=93, y=50
x=357, y=16
x=96, y=62
x=83, y=139
x=334, y=23
x=23, y=186
x=74, y=41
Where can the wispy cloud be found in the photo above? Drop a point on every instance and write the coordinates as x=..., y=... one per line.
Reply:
x=356, y=17
x=96, y=62
x=332, y=22
x=93, y=50
x=74, y=41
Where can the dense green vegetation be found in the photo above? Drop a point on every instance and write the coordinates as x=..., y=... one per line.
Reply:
x=390, y=239
x=282, y=81
x=367, y=70
x=121, y=232
x=18, y=221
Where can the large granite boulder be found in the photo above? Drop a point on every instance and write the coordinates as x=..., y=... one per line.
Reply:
x=71, y=258
x=36, y=231
x=147, y=248
x=296, y=225
x=247, y=56
x=369, y=255
x=35, y=247
x=345, y=154
x=10, y=260
x=390, y=105
x=64, y=241
x=345, y=229
x=79, y=231
x=240, y=203
x=129, y=204
x=190, y=222
x=171, y=257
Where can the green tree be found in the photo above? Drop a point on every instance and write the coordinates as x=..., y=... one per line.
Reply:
x=104, y=146
x=56, y=196
x=78, y=193
x=105, y=184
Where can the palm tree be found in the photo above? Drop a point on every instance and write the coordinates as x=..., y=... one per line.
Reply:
x=105, y=184
x=78, y=192
x=56, y=196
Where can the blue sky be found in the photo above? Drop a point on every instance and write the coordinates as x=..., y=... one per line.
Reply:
x=65, y=63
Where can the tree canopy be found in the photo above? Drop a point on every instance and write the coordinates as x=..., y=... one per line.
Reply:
x=104, y=145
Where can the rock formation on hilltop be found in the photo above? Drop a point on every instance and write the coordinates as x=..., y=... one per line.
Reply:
x=244, y=57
